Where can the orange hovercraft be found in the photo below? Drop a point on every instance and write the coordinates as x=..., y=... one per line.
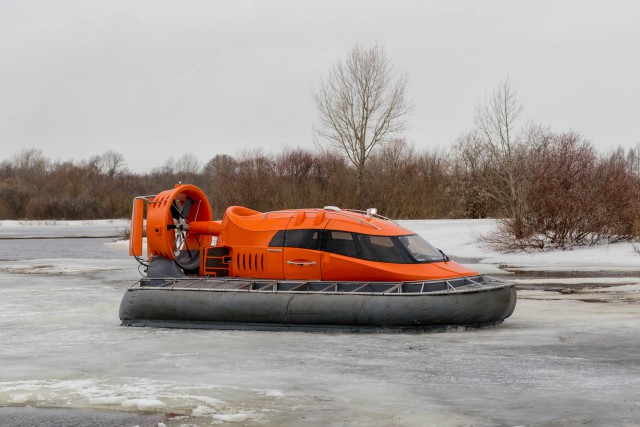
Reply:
x=313, y=268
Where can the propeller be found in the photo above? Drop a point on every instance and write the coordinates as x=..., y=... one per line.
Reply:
x=184, y=257
x=180, y=211
x=169, y=216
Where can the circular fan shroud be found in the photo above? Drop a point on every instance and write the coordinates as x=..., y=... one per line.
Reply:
x=162, y=238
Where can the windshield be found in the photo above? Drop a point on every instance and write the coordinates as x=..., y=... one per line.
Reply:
x=420, y=249
x=393, y=249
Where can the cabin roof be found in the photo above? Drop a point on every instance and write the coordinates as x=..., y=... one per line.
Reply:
x=330, y=217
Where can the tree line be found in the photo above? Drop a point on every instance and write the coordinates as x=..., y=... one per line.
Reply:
x=563, y=192
x=400, y=181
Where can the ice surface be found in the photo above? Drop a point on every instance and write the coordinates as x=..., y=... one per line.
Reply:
x=63, y=266
x=58, y=229
x=561, y=359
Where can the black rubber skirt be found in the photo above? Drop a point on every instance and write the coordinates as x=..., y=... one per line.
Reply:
x=168, y=306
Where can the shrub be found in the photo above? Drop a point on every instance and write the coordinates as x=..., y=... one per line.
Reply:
x=572, y=197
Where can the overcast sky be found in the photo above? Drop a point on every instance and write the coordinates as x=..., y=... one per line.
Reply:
x=155, y=79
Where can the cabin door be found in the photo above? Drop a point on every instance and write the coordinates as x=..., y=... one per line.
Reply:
x=302, y=243
x=301, y=260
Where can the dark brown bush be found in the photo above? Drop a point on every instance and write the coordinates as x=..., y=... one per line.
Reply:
x=572, y=196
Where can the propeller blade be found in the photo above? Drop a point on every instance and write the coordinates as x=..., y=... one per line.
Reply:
x=186, y=208
x=176, y=208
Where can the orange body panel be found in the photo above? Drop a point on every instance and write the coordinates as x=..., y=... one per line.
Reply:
x=248, y=241
x=338, y=267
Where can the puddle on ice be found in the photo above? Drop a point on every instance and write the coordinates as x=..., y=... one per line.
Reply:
x=63, y=349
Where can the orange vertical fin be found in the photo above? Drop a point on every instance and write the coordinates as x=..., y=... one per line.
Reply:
x=137, y=218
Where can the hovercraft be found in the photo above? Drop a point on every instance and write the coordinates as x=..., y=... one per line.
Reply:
x=311, y=268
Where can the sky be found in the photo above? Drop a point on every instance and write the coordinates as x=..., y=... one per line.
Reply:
x=155, y=79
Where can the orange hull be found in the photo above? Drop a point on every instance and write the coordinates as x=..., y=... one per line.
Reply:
x=327, y=244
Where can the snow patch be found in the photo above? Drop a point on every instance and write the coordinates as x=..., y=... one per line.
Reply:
x=20, y=398
x=581, y=281
x=108, y=400
x=235, y=418
x=203, y=411
x=143, y=404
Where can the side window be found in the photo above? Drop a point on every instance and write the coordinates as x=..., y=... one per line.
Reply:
x=277, y=239
x=304, y=239
x=341, y=242
x=382, y=249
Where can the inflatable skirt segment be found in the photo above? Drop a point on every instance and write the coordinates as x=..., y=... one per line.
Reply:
x=238, y=304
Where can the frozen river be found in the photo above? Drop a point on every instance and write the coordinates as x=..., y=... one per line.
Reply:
x=560, y=360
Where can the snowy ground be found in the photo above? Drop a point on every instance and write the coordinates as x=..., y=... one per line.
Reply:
x=562, y=359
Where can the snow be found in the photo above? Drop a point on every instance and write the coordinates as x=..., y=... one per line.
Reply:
x=143, y=404
x=561, y=359
x=202, y=411
x=19, y=398
x=274, y=393
x=234, y=417
x=583, y=281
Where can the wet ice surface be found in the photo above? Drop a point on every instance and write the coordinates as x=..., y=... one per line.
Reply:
x=559, y=360
x=57, y=229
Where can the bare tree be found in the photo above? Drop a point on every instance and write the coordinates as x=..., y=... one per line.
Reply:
x=360, y=105
x=109, y=163
x=219, y=176
x=113, y=163
x=29, y=163
x=501, y=143
x=188, y=164
x=633, y=159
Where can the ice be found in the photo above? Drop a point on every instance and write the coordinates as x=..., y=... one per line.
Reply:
x=143, y=404
x=57, y=229
x=108, y=401
x=583, y=280
x=19, y=398
x=63, y=266
x=235, y=417
x=202, y=411
x=561, y=359
x=274, y=393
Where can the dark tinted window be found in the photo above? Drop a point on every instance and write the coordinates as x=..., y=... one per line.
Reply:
x=392, y=249
x=341, y=242
x=277, y=239
x=306, y=239
x=382, y=249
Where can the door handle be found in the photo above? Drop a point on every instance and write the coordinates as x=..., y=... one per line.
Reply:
x=301, y=262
